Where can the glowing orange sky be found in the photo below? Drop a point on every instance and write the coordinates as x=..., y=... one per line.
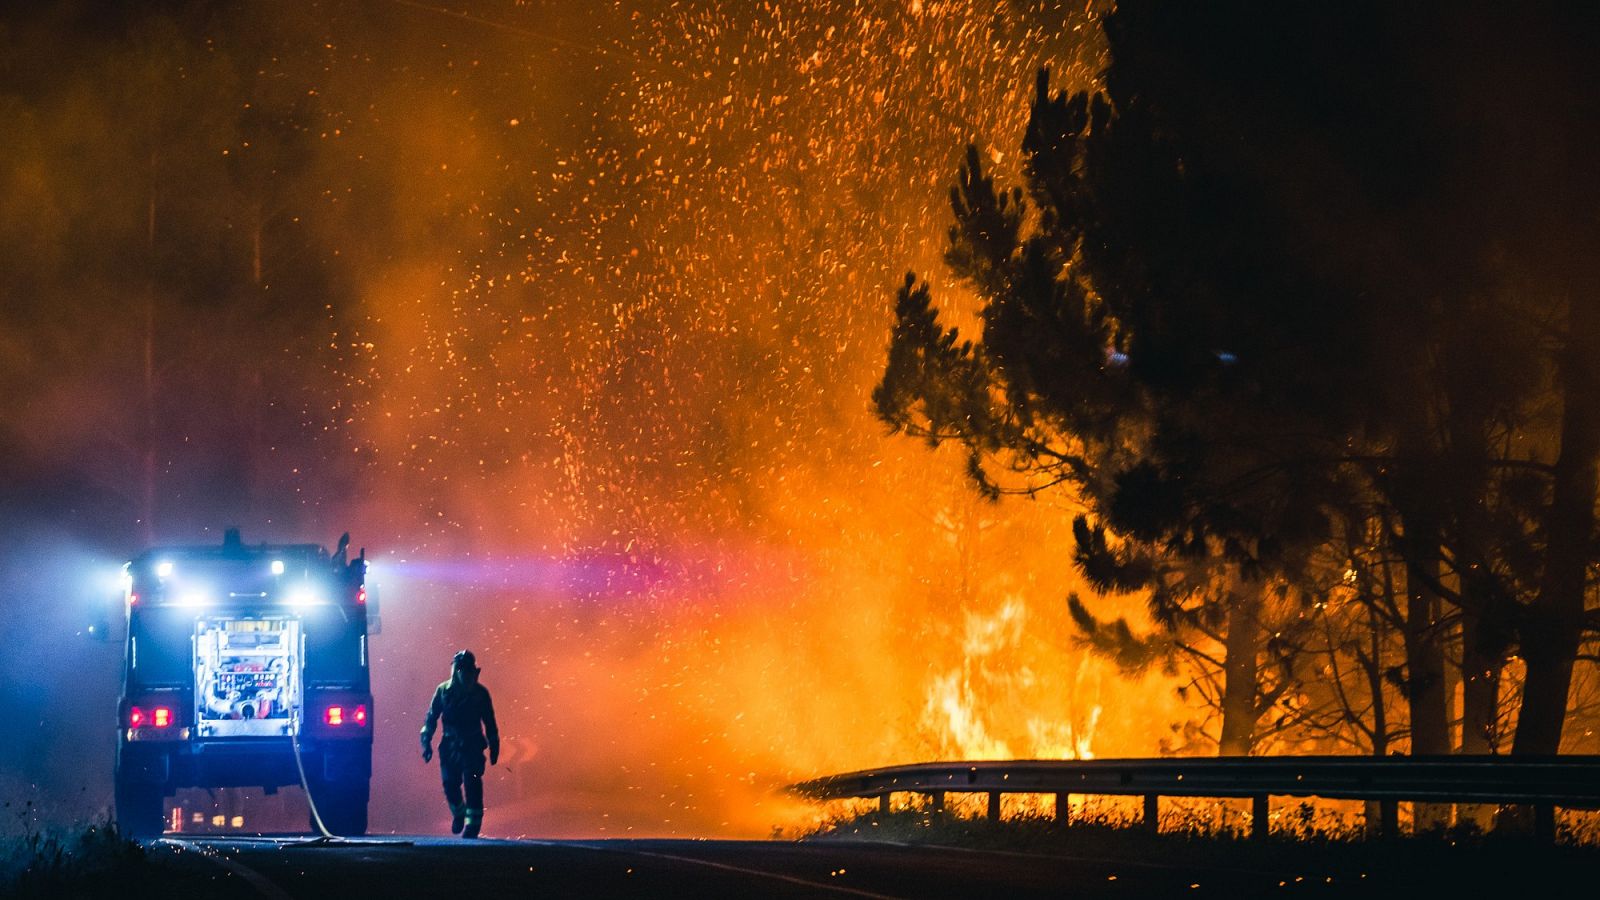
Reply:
x=637, y=344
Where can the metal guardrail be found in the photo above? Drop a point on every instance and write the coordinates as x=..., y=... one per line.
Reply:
x=1572, y=782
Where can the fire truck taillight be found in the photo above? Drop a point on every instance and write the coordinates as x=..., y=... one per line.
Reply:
x=341, y=715
x=161, y=717
x=135, y=717
x=361, y=596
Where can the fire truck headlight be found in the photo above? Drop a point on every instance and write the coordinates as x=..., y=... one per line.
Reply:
x=277, y=567
x=164, y=569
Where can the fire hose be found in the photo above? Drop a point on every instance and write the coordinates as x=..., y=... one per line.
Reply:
x=326, y=838
x=305, y=784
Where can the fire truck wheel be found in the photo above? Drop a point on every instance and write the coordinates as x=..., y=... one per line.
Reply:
x=139, y=809
x=343, y=806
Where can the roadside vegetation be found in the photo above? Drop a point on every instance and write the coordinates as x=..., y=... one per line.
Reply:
x=1306, y=845
x=80, y=861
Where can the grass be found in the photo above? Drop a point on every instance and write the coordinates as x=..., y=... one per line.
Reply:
x=83, y=861
x=1304, y=843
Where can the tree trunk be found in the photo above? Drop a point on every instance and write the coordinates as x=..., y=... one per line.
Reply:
x=1239, y=672
x=1425, y=684
x=1480, y=699
x=1430, y=723
x=1377, y=637
x=255, y=244
x=147, y=504
x=1553, y=627
x=1383, y=816
x=147, y=462
x=1480, y=689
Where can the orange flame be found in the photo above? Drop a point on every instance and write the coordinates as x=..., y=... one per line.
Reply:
x=652, y=345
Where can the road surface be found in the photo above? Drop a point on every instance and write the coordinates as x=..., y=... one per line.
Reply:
x=396, y=867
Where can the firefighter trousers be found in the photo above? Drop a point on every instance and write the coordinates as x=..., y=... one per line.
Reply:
x=460, y=771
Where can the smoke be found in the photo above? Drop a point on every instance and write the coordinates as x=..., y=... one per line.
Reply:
x=571, y=317
x=56, y=587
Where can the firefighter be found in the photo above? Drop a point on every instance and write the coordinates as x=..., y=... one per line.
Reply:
x=469, y=729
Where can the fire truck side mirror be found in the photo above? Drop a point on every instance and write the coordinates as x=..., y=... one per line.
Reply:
x=99, y=629
x=99, y=626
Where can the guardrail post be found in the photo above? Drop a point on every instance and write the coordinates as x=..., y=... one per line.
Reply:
x=883, y=804
x=938, y=800
x=1383, y=818
x=1152, y=813
x=994, y=806
x=1544, y=823
x=1260, y=816
x=1063, y=807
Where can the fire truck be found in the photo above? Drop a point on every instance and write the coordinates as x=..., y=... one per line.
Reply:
x=245, y=666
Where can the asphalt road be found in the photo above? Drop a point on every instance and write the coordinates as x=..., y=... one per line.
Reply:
x=278, y=869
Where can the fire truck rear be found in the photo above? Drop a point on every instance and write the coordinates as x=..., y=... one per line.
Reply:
x=245, y=666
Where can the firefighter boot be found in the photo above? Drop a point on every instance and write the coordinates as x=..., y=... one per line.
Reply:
x=474, y=823
x=457, y=818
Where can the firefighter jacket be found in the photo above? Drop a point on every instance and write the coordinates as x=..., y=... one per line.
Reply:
x=468, y=716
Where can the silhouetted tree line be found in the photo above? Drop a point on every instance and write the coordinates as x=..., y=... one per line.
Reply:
x=1304, y=304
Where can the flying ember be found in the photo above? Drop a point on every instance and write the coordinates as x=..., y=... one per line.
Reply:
x=632, y=381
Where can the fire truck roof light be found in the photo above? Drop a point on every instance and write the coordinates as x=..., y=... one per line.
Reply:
x=277, y=567
x=194, y=598
x=304, y=597
x=164, y=569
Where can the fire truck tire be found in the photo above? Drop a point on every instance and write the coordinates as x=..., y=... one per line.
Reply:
x=343, y=805
x=140, y=812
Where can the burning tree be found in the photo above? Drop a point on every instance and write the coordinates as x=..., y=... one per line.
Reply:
x=1291, y=311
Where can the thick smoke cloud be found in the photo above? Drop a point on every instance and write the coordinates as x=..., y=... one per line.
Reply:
x=571, y=317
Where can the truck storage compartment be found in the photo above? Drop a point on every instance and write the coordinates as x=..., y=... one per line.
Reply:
x=246, y=675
